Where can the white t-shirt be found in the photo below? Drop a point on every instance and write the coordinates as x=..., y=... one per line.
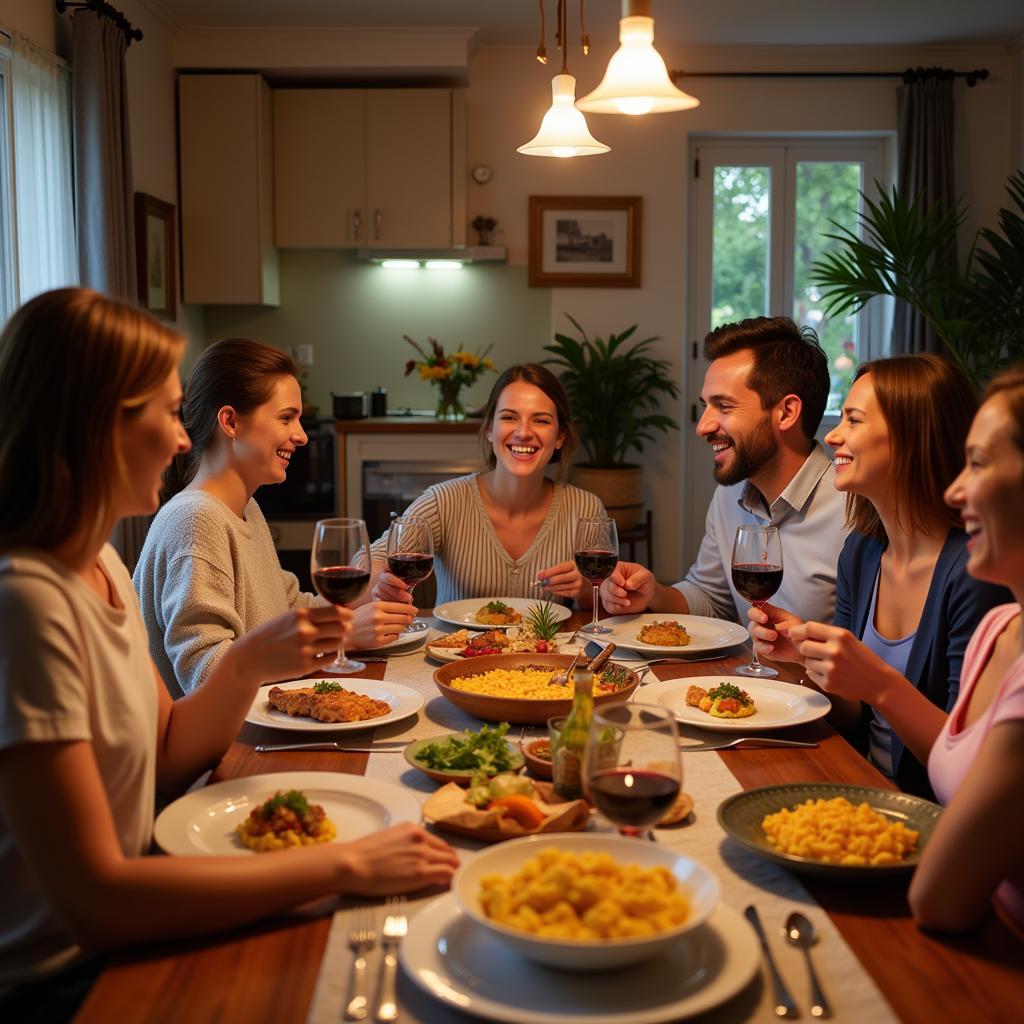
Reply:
x=71, y=668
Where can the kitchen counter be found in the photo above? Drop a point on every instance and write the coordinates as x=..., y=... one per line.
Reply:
x=407, y=425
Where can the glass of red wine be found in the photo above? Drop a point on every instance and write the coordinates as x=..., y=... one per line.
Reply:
x=633, y=770
x=596, y=550
x=411, y=555
x=340, y=565
x=756, y=575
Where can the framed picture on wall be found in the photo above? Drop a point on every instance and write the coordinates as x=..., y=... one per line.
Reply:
x=585, y=241
x=154, y=255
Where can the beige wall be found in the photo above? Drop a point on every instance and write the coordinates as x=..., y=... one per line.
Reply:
x=32, y=18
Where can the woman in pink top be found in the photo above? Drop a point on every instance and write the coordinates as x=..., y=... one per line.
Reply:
x=976, y=766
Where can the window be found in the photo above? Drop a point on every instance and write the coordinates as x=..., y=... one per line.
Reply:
x=764, y=211
x=37, y=223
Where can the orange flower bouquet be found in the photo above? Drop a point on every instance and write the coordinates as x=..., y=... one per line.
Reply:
x=449, y=372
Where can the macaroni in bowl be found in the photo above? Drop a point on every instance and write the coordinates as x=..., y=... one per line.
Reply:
x=837, y=832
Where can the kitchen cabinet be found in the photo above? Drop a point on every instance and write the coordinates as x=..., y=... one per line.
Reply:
x=370, y=168
x=226, y=154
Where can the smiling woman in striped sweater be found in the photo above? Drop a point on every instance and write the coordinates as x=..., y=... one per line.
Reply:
x=500, y=532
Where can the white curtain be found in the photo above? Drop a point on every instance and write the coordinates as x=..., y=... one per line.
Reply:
x=43, y=175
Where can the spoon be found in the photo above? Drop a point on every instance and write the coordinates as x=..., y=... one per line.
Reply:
x=800, y=933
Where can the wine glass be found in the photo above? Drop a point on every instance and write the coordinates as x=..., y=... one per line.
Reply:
x=596, y=550
x=340, y=564
x=411, y=555
x=756, y=575
x=633, y=770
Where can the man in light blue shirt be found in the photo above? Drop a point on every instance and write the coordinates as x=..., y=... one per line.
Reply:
x=763, y=398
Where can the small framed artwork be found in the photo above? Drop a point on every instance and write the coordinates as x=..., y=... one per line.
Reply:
x=585, y=241
x=154, y=255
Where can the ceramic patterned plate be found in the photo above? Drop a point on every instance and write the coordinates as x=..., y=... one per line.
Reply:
x=202, y=823
x=741, y=817
x=463, y=613
x=706, y=635
x=462, y=966
x=779, y=705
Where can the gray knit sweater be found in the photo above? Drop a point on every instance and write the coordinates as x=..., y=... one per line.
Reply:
x=204, y=579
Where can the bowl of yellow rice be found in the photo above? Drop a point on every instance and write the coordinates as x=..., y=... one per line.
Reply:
x=516, y=688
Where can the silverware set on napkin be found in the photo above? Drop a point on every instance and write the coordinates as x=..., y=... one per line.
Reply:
x=799, y=932
x=362, y=940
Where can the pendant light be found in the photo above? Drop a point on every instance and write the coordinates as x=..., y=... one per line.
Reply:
x=636, y=80
x=563, y=131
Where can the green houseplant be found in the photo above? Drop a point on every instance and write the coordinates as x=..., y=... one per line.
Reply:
x=615, y=391
x=908, y=252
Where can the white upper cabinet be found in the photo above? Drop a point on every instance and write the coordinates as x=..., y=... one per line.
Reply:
x=374, y=168
x=227, y=157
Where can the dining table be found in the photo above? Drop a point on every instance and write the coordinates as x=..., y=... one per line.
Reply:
x=269, y=971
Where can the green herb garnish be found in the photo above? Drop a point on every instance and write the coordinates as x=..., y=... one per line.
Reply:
x=497, y=608
x=615, y=676
x=294, y=800
x=326, y=687
x=723, y=691
x=485, y=751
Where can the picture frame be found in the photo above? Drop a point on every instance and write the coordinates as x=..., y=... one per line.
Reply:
x=585, y=241
x=154, y=255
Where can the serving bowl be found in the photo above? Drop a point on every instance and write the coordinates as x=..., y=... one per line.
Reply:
x=696, y=881
x=412, y=756
x=516, y=710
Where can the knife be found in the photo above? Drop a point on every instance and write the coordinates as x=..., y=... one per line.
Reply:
x=784, y=1005
x=381, y=748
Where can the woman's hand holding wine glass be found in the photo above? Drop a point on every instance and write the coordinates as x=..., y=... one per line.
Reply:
x=596, y=551
x=340, y=564
x=756, y=575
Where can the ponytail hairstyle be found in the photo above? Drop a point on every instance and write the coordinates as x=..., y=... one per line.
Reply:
x=74, y=366
x=236, y=372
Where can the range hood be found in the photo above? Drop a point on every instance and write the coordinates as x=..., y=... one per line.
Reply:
x=461, y=255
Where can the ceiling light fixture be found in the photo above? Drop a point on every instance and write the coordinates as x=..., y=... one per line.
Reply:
x=636, y=80
x=563, y=131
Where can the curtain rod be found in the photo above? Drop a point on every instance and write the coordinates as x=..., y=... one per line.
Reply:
x=908, y=75
x=105, y=9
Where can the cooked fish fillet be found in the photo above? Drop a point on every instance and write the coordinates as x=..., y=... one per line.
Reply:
x=341, y=706
x=694, y=695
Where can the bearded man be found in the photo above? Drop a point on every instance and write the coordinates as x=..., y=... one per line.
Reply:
x=763, y=398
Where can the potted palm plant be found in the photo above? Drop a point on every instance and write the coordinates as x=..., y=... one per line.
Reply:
x=615, y=391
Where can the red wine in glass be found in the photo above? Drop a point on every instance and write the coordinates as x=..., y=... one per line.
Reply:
x=340, y=584
x=757, y=582
x=340, y=566
x=633, y=798
x=757, y=575
x=411, y=556
x=595, y=566
x=411, y=567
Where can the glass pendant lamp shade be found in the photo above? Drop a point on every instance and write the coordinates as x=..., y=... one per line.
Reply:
x=636, y=80
x=563, y=132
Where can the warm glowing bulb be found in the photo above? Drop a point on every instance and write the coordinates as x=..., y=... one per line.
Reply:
x=563, y=131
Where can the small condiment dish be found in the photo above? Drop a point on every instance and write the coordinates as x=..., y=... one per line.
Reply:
x=537, y=754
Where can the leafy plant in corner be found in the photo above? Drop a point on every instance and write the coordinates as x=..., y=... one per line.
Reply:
x=908, y=252
x=615, y=392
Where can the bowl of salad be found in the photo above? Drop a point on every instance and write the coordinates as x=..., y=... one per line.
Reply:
x=457, y=757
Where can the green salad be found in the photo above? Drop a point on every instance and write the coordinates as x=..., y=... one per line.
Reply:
x=485, y=751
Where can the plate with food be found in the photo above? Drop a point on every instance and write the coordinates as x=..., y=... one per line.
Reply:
x=517, y=688
x=857, y=833
x=666, y=633
x=408, y=641
x=737, y=704
x=260, y=813
x=332, y=705
x=536, y=634
x=494, y=612
x=506, y=806
x=459, y=756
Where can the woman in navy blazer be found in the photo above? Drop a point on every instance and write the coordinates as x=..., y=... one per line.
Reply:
x=905, y=606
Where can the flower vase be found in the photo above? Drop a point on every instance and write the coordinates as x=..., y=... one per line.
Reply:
x=449, y=405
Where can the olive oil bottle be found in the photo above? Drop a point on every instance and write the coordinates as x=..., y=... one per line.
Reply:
x=567, y=752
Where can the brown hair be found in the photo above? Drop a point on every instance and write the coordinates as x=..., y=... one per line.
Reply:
x=928, y=405
x=788, y=360
x=540, y=377
x=1009, y=385
x=236, y=372
x=73, y=365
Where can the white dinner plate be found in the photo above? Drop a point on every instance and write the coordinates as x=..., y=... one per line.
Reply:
x=453, y=653
x=408, y=641
x=202, y=823
x=462, y=613
x=705, y=634
x=779, y=705
x=402, y=700
x=463, y=966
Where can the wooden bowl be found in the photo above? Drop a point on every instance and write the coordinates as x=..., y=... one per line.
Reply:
x=411, y=753
x=516, y=710
x=538, y=767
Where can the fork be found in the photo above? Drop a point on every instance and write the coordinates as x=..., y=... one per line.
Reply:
x=745, y=742
x=396, y=924
x=361, y=937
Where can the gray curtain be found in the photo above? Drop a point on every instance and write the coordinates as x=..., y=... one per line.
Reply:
x=103, y=187
x=925, y=141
